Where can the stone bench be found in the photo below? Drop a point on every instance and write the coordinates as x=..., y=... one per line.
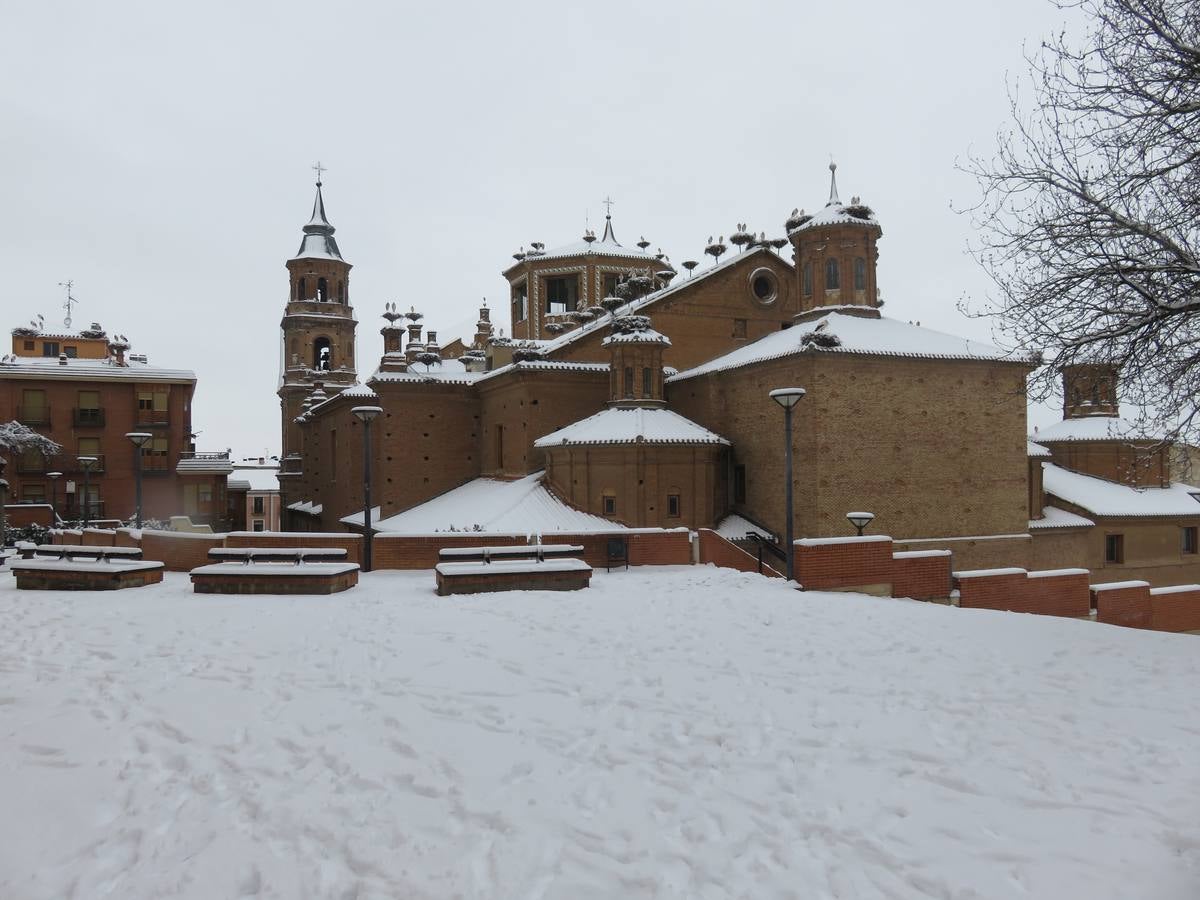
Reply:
x=71, y=575
x=274, y=578
x=79, y=551
x=296, y=555
x=535, y=552
x=512, y=575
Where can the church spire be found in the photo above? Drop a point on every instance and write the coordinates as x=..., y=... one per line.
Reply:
x=318, y=242
x=833, y=194
x=609, y=236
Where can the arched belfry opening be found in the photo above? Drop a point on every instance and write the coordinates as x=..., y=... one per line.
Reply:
x=322, y=290
x=322, y=355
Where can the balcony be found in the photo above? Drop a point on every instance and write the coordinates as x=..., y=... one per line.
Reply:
x=156, y=463
x=88, y=418
x=153, y=417
x=75, y=468
x=33, y=415
x=33, y=464
x=191, y=463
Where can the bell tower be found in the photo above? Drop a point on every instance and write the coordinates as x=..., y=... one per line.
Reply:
x=317, y=329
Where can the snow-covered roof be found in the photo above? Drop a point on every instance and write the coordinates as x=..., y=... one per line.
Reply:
x=360, y=391
x=448, y=371
x=307, y=506
x=544, y=365
x=641, y=336
x=257, y=478
x=90, y=369
x=1092, y=428
x=734, y=527
x=858, y=334
x=523, y=506
x=204, y=464
x=632, y=425
x=602, y=322
x=840, y=214
x=1053, y=517
x=607, y=245
x=1107, y=498
x=1037, y=450
x=318, y=242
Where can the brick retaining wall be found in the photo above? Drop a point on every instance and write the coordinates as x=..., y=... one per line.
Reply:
x=1062, y=592
x=181, y=551
x=720, y=552
x=1123, y=603
x=351, y=543
x=1175, y=608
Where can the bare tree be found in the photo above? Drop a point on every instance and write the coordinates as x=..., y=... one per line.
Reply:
x=1090, y=208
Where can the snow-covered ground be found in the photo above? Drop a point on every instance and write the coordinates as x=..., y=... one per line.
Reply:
x=688, y=732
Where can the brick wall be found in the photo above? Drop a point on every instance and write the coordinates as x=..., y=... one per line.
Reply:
x=646, y=548
x=720, y=552
x=124, y=538
x=98, y=537
x=838, y=563
x=1175, y=608
x=18, y=515
x=1061, y=592
x=1123, y=603
x=180, y=552
x=351, y=543
x=921, y=574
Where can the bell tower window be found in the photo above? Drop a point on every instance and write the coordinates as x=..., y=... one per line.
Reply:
x=341, y=292
x=322, y=355
x=832, y=279
x=562, y=294
x=300, y=293
x=322, y=290
x=807, y=280
x=860, y=274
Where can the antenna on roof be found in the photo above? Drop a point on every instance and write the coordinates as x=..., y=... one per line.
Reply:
x=69, y=302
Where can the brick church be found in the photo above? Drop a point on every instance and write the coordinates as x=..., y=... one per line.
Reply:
x=628, y=394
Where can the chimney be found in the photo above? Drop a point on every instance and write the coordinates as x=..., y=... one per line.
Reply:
x=62, y=359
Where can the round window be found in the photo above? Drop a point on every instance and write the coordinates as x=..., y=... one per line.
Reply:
x=764, y=286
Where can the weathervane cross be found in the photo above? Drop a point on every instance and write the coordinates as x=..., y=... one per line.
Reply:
x=608, y=205
x=318, y=168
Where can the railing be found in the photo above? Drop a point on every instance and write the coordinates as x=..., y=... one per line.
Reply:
x=763, y=544
x=156, y=463
x=153, y=417
x=75, y=467
x=33, y=415
x=84, y=418
x=95, y=510
x=31, y=466
x=191, y=454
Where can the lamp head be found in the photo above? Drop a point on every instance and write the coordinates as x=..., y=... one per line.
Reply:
x=788, y=397
x=367, y=414
x=54, y=474
x=87, y=462
x=860, y=520
x=139, y=438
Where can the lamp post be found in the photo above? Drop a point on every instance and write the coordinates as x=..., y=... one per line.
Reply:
x=53, y=476
x=140, y=439
x=788, y=398
x=366, y=415
x=860, y=520
x=3, y=502
x=86, y=462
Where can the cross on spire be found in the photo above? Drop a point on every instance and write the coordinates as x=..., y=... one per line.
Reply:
x=608, y=205
x=318, y=168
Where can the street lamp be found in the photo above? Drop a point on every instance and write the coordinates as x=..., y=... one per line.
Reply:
x=860, y=520
x=366, y=415
x=140, y=439
x=787, y=398
x=54, y=476
x=3, y=502
x=87, y=462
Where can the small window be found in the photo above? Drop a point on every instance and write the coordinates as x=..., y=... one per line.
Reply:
x=647, y=382
x=258, y=525
x=807, y=279
x=764, y=286
x=89, y=400
x=860, y=274
x=1114, y=548
x=673, y=506
x=739, y=484
x=333, y=454
x=499, y=446
x=258, y=506
x=629, y=381
x=341, y=292
x=29, y=345
x=561, y=294
x=33, y=493
x=49, y=348
x=610, y=285
x=1187, y=538
x=832, y=278
x=739, y=328
x=610, y=505
x=71, y=351
x=205, y=493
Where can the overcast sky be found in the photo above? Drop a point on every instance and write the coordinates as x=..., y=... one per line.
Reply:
x=159, y=154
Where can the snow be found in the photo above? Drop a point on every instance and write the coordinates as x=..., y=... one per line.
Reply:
x=303, y=570
x=1053, y=517
x=57, y=565
x=512, y=567
x=1035, y=449
x=1119, y=585
x=1107, y=498
x=678, y=732
x=734, y=527
x=1092, y=428
x=1055, y=573
x=92, y=369
x=521, y=507
x=526, y=551
x=852, y=539
x=602, y=247
x=1176, y=589
x=318, y=246
x=544, y=365
x=641, y=336
x=307, y=507
x=859, y=334
x=987, y=573
x=257, y=478
x=629, y=425
x=836, y=214
x=920, y=554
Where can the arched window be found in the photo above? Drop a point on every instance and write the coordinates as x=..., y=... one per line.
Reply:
x=860, y=274
x=322, y=290
x=647, y=383
x=807, y=286
x=629, y=381
x=1095, y=394
x=300, y=295
x=322, y=355
x=832, y=281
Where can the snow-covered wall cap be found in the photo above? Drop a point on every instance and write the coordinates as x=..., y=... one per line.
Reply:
x=544, y=365
x=632, y=425
x=1175, y=589
x=634, y=330
x=853, y=539
x=989, y=573
x=1117, y=586
x=1057, y=573
x=920, y=554
x=89, y=369
x=858, y=334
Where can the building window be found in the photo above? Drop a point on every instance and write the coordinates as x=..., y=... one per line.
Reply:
x=647, y=382
x=807, y=280
x=610, y=505
x=34, y=410
x=1114, y=548
x=30, y=345
x=860, y=274
x=832, y=278
x=764, y=286
x=71, y=351
x=341, y=292
x=1187, y=538
x=154, y=454
x=205, y=494
x=300, y=291
x=673, y=506
x=259, y=506
x=520, y=303
x=739, y=484
x=499, y=446
x=258, y=525
x=562, y=294
x=49, y=348
x=322, y=290
x=322, y=355
x=610, y=285
x=739, y=328
x=629, y=381
x=333, y=454
x=33, y=493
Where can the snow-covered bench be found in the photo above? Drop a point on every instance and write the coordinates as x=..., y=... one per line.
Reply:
x=535, y=552
x=71, y=552
x=296, y=555
x=73, y=575
x=274, y=578
x=562, y=574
